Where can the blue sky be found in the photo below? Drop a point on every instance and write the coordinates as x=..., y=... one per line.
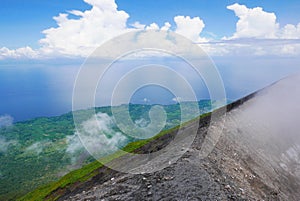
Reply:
x=219, y=20
x=22, y=22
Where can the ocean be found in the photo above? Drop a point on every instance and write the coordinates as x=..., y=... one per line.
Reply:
x=29, y=91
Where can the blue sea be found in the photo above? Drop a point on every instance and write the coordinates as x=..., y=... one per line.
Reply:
x=29, y=91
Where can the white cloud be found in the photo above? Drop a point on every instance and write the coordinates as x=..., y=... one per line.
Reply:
x=138, y=25
x=189, y=27
x=36, y=148
x=152, y=26
x=257, y=23
x=4, y=144
x=79, y=37
x=290, y=31
x=146, y=100
x=253, y=47
x=74, y=148
x=73, y=144
x=177, y=99
x=24, y=52
x=103, y=21
x=98, y=136
x=166, y=26
x=262, y=31
x=142, y=122
x=290, y=160
x=6, y=120
x=254, y=22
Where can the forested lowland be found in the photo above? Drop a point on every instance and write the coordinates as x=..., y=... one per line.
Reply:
x=41, y=150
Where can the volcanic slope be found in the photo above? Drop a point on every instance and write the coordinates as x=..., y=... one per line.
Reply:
x=257, y=157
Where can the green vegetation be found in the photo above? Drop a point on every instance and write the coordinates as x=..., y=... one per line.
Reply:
x=35, y=154
x=37, y=151
x=90, y=170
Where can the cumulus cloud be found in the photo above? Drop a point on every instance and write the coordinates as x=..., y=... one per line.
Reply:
x=103, y=22
x=91, y=28
x=6, y=120
x=291, y=31
x=23, y=52
x=257, y=23
x=254, y=22
x=155, y=27
x=138, y=25
x=166, y=26
x=263, y=34
x=152, y=26
x=189, y=27
x=79, y=36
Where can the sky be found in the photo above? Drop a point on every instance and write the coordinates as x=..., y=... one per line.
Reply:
x=38, y=29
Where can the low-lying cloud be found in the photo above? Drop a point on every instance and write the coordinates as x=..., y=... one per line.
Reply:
x=6, y=120
x=291, y=160
x=141, y=122
x=4, y=144
x=267, y=126
x=36, y=148
x=97, y=136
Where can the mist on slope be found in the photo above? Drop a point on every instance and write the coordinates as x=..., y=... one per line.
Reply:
x=6, y=120
x=37, y=147
x=4, y=144
x=97, y=136
x=268, y=125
